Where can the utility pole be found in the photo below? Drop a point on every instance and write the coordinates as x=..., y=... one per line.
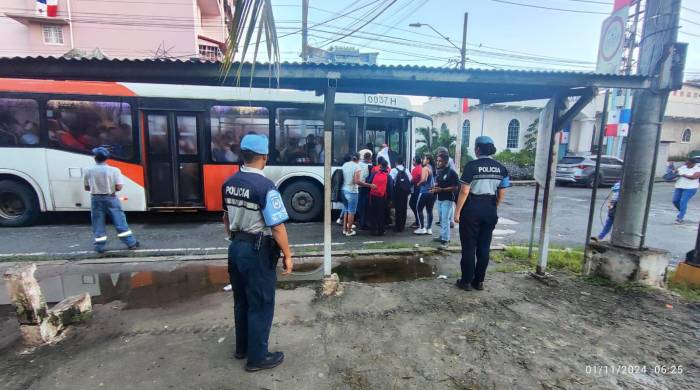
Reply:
x=464, y=41
x=460, y=102
x=304, y=30
x=660, y=31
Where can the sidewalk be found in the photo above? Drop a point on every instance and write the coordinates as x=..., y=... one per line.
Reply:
x=424, y=334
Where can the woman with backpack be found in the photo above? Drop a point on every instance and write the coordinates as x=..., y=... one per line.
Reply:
x=426, y=199
x=379, y=196
x=402, y=189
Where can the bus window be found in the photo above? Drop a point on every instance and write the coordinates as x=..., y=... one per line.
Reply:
x=299, y=136
x=230, y=124
x=19, y=122
x=83, y=125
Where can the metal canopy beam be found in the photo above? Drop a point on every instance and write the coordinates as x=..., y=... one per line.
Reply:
x=489, y=85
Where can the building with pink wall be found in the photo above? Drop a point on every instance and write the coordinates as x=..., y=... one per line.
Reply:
x=131, y=29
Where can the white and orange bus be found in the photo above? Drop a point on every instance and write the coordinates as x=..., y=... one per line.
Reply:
x=176, y=144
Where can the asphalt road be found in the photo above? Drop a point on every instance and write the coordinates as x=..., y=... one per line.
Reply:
x=70, y=232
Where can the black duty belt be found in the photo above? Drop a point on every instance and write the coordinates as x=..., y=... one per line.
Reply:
x=482, y=196
x=250, y=237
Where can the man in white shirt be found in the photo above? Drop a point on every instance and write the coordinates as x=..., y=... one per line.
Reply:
x=686, y=187
x=103, y=182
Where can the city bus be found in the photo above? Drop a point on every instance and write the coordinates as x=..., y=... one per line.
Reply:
x=175, y=144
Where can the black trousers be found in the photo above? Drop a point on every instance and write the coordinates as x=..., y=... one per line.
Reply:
x=377, y=214
x=476, y=223
x=400, y=210
x=413, y=203
x=253, y=280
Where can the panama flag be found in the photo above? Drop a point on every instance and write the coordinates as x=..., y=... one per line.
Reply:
x=465, y=105
x=613, y=123
x=41, y=7
x=51, y=8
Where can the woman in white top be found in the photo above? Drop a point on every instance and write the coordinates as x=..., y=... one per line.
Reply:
x=686, y=187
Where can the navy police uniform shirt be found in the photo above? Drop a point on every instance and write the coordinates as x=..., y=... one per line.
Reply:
x=485, y=176
x=253, y=203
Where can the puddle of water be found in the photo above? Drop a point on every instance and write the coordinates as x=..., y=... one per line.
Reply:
x=152, y=289
x=148, y=289
x=385, y=270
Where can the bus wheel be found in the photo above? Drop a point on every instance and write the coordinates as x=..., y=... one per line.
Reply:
x=18, y=204
x=303, y=200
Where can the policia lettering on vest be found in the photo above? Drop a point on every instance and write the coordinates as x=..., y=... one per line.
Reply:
x=483, y=185
x=254, y=217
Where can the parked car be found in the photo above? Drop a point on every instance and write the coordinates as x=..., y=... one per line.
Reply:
x=580, y=170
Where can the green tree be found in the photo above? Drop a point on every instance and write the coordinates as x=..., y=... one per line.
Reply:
x=430, y=139
x=530, y=144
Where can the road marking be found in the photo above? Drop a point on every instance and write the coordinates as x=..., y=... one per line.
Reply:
x=506, y=221
x=503, y=232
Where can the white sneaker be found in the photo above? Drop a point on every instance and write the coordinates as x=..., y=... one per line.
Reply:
x=351, y=233
x=354, y=226
x=420, y=231
x=339, y=221
x=429, y=231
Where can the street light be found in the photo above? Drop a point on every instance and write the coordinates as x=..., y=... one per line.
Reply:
x=462, y=50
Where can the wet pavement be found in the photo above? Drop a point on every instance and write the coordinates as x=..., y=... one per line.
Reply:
x=63, y=234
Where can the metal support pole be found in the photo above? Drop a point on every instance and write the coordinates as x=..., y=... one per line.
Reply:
x=483, y=116
x=697, y=247
x=459, y=140
x=549, y=182
x=534, y=220
x=328, y=115
x=463, y=52
x=594, y=192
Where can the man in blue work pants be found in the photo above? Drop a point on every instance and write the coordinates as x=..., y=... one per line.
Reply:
x=109, y=204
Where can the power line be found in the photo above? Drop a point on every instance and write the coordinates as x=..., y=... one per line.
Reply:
x=690, y=21
x=691, y=10
x=550, y=8
x=691, y=34
x=363, y=25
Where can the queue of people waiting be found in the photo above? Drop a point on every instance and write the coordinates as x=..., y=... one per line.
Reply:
x=370, y=190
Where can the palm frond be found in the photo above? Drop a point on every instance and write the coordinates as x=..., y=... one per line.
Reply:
x=249, y=17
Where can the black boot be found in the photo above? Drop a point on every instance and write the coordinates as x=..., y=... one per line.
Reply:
x=463, y=286
x=272, y=360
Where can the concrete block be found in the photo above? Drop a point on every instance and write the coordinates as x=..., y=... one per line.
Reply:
x=25, y=294
x=331, y=286
x=71, y=310
x=627, y=265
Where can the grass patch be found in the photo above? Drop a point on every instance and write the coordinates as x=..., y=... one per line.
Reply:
x=628, y=287
x=558, y=259
x=687, y=291
x=511, y=267
x=388, y=245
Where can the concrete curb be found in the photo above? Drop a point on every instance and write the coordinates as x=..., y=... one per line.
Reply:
x=305, y=258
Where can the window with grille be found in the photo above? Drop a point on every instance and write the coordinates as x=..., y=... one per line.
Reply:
x=53, y=35
x=686, y=136
x=513, y=134
x=466, y=130
x=209, y=52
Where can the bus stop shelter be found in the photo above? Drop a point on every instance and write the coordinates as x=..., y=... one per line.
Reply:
x=487, y=85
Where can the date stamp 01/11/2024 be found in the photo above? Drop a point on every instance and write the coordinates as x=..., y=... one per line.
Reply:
x=631, y=369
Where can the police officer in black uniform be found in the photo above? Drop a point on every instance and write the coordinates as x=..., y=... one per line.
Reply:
x=254, y=217
x=483, y=188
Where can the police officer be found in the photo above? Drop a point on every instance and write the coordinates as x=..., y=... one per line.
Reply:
x=483, y=184
x=103, y=182
x=254, y=217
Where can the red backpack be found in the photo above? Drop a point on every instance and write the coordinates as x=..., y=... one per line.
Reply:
x=380, y=180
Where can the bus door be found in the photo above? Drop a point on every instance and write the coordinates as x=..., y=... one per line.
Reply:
x=379, y=130
x=173, y=159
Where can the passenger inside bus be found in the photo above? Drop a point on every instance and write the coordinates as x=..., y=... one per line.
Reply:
x=19, y=120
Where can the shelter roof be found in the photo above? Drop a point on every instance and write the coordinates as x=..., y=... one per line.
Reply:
x=488, y=85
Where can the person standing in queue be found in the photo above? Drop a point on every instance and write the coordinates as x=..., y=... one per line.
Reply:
x=415, y=178
x=254, y=217
x=483, y=185
x=426, y=199
x=103, y=182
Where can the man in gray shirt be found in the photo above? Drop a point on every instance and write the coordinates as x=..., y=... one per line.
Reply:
x=103, y=182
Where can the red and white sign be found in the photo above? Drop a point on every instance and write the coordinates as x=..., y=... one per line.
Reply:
x=612, y=39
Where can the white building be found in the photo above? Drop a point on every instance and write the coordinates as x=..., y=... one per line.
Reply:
x=507, y=123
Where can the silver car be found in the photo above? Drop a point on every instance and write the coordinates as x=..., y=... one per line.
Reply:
x=580, y=170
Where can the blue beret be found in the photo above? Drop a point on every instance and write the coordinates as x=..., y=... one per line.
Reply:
x=256, y=143
x=101, y=151
x=484, y=140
